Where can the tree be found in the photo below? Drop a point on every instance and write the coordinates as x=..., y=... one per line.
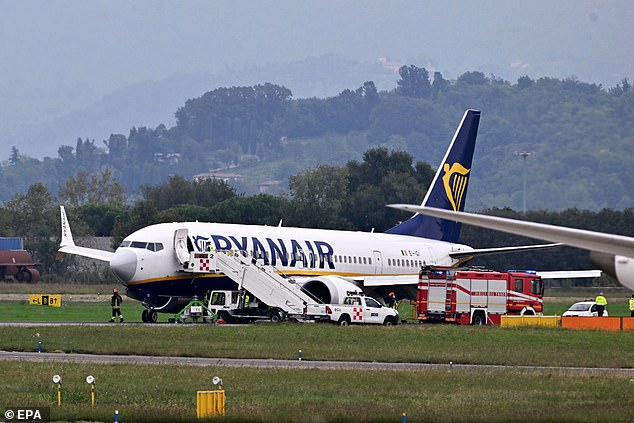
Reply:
x=178, y=190
x=99, y=189
x=439, y=85
x=15, y=156
x=262, y=209
x=473, y=78
x=317, y=197
x=414, y=82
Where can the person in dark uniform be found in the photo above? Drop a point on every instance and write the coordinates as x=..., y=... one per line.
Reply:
x=115, y=303
x=390, y=301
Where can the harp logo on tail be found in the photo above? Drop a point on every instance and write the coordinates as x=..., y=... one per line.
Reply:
x=455, y=182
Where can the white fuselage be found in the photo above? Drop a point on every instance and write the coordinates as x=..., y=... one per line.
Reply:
x=149, y=254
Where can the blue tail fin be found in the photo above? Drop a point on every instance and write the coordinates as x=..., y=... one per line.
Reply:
x=448, y=190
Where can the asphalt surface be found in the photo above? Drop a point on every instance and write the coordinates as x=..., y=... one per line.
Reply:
x=280, y=364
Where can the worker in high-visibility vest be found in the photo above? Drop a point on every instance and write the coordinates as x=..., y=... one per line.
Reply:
x=601, y=303
x=632, y=306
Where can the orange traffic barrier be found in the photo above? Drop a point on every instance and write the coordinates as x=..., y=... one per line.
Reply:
x=628, y=323
x=600, y=323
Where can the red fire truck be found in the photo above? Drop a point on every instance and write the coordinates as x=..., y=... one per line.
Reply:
x=476, y=296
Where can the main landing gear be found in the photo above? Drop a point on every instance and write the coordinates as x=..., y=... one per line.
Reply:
x=149, y=316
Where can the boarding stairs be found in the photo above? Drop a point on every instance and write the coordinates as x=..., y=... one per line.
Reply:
x=260, y=280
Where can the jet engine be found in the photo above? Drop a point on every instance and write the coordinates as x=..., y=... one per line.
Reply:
x=619, y=267
x=328, y=289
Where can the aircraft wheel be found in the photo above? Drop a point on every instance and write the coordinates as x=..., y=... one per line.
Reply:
x=152, y=316
x=344, y=321
x=144, y=316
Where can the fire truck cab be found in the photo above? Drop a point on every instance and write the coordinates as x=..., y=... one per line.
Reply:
x=475, y=296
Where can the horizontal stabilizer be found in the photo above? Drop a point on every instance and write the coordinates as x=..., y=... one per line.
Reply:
x=569, y=274
x=92, y=253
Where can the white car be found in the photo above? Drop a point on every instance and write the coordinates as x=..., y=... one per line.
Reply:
x=584, y=308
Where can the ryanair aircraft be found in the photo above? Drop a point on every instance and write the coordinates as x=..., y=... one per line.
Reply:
x=150, y=262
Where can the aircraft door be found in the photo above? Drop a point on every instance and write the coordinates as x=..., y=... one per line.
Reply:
x=378, y=262
x=180, y=245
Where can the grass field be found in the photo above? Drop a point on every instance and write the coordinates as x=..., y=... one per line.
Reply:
x=99, y=310
x=167, y=392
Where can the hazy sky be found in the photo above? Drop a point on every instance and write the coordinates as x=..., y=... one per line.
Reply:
x=60, y=55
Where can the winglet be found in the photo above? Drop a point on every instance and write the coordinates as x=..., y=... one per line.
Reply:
x=67, y=235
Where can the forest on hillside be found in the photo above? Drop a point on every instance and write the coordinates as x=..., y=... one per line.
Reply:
x=349, y=197
x=580, y=136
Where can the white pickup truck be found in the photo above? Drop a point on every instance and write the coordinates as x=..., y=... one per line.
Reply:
x=359, y=309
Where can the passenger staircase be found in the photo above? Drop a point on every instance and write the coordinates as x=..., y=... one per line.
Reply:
x=260, y=280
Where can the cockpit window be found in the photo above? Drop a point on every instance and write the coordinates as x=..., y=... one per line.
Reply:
x=152, y=246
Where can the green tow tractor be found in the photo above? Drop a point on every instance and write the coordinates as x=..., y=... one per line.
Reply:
x=196, y=311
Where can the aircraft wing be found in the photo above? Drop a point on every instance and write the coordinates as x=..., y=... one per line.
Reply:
x=67, y=245
x=581, y=238
x=498, y=250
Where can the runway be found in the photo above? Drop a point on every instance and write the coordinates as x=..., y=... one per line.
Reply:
x=284, y=364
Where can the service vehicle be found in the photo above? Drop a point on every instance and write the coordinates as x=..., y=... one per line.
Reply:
x=359, y=309
x=476, y=296
x=584, y=308
x=242, y=307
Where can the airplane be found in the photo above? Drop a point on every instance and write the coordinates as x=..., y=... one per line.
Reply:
x=614, y=254
x=327, y=263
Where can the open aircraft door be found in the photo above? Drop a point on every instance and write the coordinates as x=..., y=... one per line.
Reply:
x=180, y=245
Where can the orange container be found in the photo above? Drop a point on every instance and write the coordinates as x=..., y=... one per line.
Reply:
x=599, y=323
x=628, y=323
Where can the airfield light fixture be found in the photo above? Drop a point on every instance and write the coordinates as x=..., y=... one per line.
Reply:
x=91, y=381
x=217, y=381
x=58, y=380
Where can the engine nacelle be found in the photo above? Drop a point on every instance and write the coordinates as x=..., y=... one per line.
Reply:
x=620, y=268
x=328, y=289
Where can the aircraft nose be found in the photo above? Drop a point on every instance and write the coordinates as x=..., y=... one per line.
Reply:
x=123, y=264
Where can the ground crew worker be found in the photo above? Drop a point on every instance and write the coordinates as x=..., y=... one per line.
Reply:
x=115, y=303
x=632, y=306
x=601, y=303
x=391, y=300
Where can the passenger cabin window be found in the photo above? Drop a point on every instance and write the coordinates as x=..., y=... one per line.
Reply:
x=537, y=287
x=518, y=285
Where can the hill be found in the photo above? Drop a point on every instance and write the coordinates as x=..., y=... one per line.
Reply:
x=580, y=137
